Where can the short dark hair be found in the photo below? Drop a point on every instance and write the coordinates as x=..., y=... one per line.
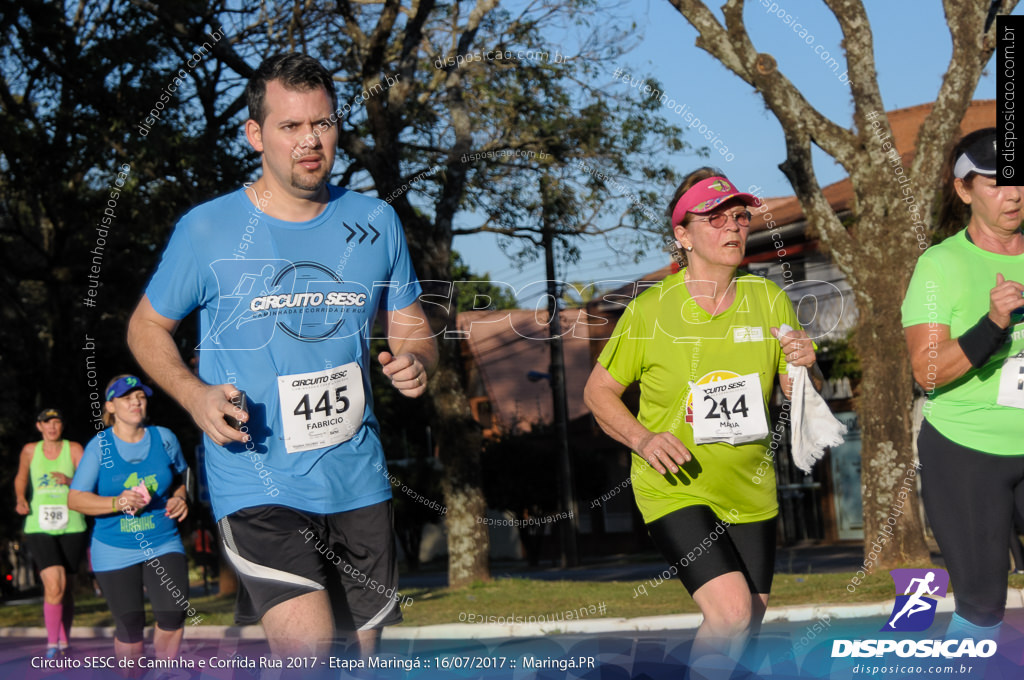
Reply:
x=295, y=71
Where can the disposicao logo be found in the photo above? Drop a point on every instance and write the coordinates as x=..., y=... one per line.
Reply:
x=915, y=608
x=915, y=611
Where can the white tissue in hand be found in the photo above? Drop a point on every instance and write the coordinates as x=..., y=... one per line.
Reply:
x=813, y=426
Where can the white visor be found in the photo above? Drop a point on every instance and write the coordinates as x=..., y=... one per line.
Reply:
x=965, y=166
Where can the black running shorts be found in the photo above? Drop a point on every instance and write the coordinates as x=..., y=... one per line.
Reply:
x=281, y=553
x=65, y=550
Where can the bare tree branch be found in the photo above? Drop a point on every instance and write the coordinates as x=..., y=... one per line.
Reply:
x=736, y=52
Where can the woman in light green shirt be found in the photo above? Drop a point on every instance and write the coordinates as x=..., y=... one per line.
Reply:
x=963, y=316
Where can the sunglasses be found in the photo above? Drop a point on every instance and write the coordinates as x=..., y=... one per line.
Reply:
x=719, y=220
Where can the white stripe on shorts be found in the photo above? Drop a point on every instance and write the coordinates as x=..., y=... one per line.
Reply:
x=250, y=568
x=379, y=616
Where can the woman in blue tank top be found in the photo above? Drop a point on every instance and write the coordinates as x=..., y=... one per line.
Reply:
x=130, y=479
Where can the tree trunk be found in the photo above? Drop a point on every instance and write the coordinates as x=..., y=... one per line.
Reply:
x=459, y=440
x=893, y=530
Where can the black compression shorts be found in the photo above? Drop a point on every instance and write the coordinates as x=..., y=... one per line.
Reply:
x=700, y=547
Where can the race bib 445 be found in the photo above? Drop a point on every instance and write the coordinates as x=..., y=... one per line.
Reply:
x=322, y=408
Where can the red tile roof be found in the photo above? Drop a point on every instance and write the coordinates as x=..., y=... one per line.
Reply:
x=508, y=344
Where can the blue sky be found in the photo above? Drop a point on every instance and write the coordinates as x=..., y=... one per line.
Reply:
x=912, y=51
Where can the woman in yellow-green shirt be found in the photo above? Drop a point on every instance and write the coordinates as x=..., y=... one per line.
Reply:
x=703, y=346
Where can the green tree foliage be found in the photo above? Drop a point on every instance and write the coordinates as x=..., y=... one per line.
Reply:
x=86, y=200
x=476, y=292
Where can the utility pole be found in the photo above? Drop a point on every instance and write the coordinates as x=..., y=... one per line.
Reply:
x=570, y=557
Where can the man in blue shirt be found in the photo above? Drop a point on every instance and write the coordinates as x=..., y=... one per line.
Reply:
x=288, y=274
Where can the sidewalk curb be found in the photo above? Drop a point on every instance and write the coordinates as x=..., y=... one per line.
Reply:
x=477, y=631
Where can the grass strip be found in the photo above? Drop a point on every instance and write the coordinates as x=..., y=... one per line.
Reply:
x=519, y=597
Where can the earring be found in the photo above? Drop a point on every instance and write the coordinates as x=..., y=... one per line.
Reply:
x=690, y=248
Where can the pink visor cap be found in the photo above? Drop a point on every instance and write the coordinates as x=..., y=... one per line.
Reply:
x=706, y=195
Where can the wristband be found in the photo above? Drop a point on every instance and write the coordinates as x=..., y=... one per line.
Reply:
x=981, y=341
x=113, y=503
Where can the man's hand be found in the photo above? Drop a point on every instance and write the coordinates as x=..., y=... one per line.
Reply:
x=22, y=508
x=209, y=404
x=406, y=372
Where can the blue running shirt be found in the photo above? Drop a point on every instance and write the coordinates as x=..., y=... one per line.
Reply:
x=280, y=298
x=108, y=467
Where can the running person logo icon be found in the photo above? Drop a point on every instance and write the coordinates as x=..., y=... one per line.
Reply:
x=914, y=610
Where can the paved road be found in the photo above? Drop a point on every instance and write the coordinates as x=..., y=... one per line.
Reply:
x=792, y=560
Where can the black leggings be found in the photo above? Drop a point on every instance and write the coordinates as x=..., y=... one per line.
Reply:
x=970, y=497
x=163, y=576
